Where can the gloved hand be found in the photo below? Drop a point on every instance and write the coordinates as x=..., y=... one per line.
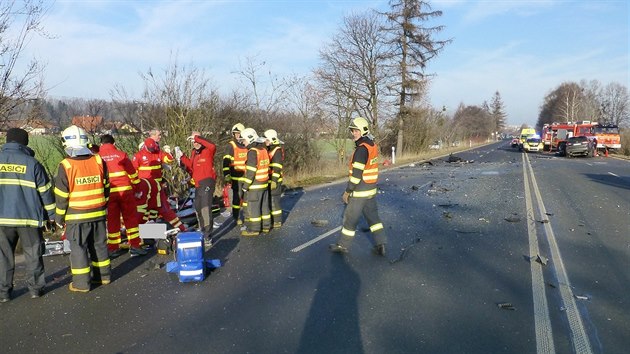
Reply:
x=50, y=225
x=227, y=179
x=59, y=226
x=191, y=138
x=167, y=149
x=345, y=197
x=178, y=154
x=138, y=195
x=273, y=185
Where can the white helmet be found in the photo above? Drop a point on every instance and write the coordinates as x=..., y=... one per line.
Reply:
x=74, y=137
x=248, y=136
x=360, y=124
x=272, y=136
x=237, y=128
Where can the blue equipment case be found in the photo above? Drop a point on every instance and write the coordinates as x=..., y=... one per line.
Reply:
x=191, y=264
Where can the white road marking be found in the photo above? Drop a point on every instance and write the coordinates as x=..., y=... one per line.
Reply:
x=316, y=239
x=542, y=320
x=579, y=339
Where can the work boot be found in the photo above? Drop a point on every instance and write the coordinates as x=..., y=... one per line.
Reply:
x=379, y=250
x=337, y=248
x=105, y=281
x=137, y=252
x=266, y=231
x=277, y=224
x=249, y=233
x=239, y=222
x=35, y=293
x=72, y=288
x=117, y=253
x=5, y=298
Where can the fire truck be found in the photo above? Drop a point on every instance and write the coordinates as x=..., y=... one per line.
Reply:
x=555, y=135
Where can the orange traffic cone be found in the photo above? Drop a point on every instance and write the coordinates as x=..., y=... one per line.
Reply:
x=606, y=154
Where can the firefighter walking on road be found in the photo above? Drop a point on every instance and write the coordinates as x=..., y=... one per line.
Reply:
x=361, y=190
x=200, y=166
x=255, y=185
x=276, y=157
x=23, y=179
x=123, y=185
x=81, y=191
x=148, y=161
x=234, y=169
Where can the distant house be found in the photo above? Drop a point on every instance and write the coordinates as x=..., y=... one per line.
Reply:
x=91, y=124
x=32, y=126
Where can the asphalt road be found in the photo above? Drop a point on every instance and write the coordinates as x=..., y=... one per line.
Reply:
x=464, y=238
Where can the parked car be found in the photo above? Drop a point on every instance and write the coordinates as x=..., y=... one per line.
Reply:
x=515, y=142
x=579, y=145
x=533, y=145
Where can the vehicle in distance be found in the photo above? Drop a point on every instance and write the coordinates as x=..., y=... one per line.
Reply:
x=515, y=142
x=579, y=145
x=534, y=144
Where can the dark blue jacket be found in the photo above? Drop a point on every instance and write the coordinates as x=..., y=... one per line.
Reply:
x=26, y=194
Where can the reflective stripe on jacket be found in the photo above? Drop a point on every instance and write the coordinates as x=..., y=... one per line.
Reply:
x=122, y=174
x=234, y=160
x=276, y=156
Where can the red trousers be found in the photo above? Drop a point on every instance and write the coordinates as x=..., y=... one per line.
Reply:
x=122, y=203
x=157, y=206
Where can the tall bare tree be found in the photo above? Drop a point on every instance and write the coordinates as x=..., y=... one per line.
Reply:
x=19, y=21
x=615, y=104
x=412, y=46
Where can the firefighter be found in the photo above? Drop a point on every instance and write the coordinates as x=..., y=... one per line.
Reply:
x=81, y=193
x=234, y=169
x=123, y=181
x=360, y=193
x=148, y=161
x=255, y=185
x=23, y=179
x=276, y=157
x=200, y=166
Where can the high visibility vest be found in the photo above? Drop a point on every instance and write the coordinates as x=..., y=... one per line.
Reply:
x=86, y=188
x=366, y=185
x=239, y=159
x=261, y=178
x=276, y=156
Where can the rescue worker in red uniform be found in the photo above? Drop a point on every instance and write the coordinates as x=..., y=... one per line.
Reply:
x=276, y=157
x=23, y=181
x=123, y=180
x=255, y=185
x=142, y=202
x=200, y=166
x=361, y=190
x=234, y=169
x=81, y=192
x=148, y=161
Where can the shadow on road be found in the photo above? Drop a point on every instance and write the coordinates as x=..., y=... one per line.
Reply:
x=332, y=325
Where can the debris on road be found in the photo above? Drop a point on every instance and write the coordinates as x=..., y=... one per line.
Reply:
x=512, y=219
x=506, y=306
x=404, y=250
x=581, y=297
x=452, y=158
x=542, y=260
x=319, y=222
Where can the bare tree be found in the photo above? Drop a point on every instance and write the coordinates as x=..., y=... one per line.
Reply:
x=615, y=104
x=19, y=21
x=268, y=96
x=412, y=46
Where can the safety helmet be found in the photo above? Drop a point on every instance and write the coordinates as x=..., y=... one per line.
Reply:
x=151, y=145
x=360, y=124
x=248, y=136
x=237, y=128
x=272, y=135
x=74, y=137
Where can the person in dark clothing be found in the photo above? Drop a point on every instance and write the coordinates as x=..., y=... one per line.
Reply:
x=200, y=165
x=24, y=179
x=360, y=193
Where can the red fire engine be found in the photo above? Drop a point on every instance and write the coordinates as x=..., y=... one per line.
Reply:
x=555, y=135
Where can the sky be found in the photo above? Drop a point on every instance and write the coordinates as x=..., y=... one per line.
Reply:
x=522, y=49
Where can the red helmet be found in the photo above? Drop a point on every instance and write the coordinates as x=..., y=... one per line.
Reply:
x=151, y=145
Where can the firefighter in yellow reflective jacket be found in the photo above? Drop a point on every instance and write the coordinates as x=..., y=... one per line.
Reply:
x=361, y=190
x=81, y=191
x=27, y=204
x=255, y=184
x=276, y=157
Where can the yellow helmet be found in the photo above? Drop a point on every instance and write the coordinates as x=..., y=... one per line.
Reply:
x=248, y=136
x=360, y=124
x=74, y=137
x=237, y=128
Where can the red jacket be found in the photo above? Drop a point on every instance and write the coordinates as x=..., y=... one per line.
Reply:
x=200, y=165
x=122, y=175
x=148, y=161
